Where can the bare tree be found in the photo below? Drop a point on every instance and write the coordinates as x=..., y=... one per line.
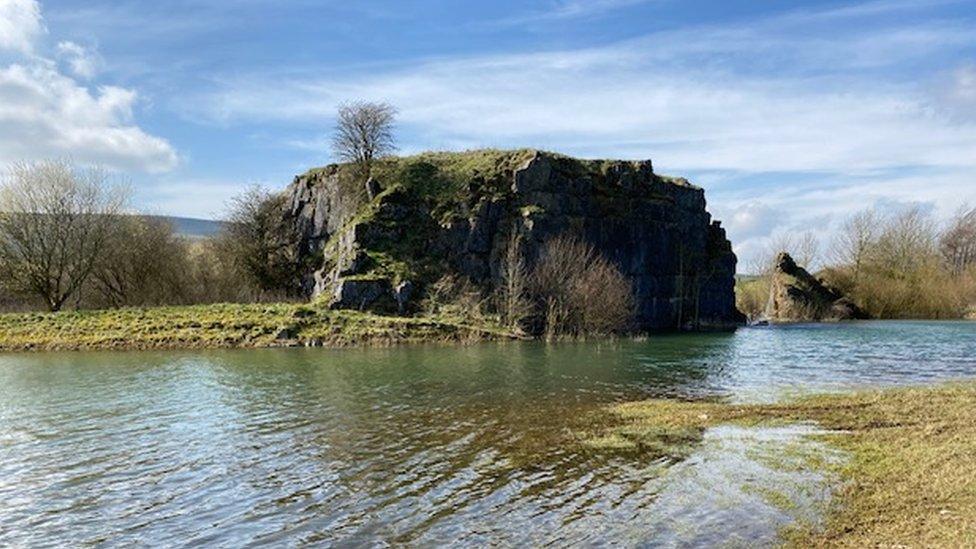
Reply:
x=55, y=223
x=804, y=248
x=958, y=242
x=364, y=132
x=907, y=240
x=146, y=263
x=580, y=292
x=514, y=303
x=855, y=241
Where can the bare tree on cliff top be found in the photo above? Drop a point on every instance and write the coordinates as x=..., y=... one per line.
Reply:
x=364, y=132
x=55, y=223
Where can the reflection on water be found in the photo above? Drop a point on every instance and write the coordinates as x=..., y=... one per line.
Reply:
x=419, y=445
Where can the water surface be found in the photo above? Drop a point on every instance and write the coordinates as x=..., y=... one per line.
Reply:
x=422, y=445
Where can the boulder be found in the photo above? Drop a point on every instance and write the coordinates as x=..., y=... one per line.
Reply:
x=797, y=296
x=372, y=188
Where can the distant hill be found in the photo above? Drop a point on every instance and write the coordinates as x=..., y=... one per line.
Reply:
x=191, y=227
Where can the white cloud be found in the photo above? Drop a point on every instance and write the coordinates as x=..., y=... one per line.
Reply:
x=84, y=62
x=752, y=219
x=20, y=25
x=45, y=113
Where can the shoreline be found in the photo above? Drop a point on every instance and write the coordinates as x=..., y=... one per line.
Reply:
x=909, y=479
x=229, y=326
x=266, y=326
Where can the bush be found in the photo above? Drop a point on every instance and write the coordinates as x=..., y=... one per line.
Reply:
x=580, y=293
x=255, y=240
x=900, y=266
x=455, y=297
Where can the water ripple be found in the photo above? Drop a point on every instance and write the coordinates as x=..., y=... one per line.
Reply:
x=420, y=446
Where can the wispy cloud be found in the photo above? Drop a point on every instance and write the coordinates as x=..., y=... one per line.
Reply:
x=639, y=99
x=571, y=9
x=736, y=103
x=84, y=62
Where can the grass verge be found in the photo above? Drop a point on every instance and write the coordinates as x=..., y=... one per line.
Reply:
x=910, y=480
x=227, y=325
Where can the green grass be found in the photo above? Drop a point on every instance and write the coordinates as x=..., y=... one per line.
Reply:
x=910, y=480
x=227, y=325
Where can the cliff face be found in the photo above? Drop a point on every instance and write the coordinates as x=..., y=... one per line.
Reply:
x=426, y=216
x=797, y=296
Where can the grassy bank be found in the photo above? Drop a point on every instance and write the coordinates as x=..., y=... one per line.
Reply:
x=226, y=325
x=910, y=480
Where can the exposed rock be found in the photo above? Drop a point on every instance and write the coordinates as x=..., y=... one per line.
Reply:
x=435, y=216
x=797, y=296
x=403, y=293
x=285, y=333
x=362, y=293
x=372, y=188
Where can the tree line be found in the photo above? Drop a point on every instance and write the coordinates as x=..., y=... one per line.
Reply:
x=899, y=264
x=67, y=240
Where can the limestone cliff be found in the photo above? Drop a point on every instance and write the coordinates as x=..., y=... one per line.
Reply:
x=424, y=216
x=797, y=296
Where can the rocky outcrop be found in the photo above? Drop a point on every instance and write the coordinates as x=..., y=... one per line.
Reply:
x=436, y=214
x=797, y=296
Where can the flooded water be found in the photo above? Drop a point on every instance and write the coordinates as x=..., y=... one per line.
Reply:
x=426, y=445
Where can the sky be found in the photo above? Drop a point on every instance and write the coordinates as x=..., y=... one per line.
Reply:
x=790, y=114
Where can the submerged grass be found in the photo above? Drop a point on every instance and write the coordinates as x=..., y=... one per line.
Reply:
x=227, y=325
x=910, y=480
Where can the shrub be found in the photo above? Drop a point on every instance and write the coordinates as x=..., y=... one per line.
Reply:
x=579, y=292
x=257, y=241
x=145, y=263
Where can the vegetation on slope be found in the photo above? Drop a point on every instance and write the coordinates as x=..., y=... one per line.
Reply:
x=910, y=479
x=228, y=325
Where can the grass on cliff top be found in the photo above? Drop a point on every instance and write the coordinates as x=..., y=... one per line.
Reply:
x=226, y=325
x=446, y=176
x=910, y=480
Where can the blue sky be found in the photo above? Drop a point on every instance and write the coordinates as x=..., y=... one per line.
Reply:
x=790, y=114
